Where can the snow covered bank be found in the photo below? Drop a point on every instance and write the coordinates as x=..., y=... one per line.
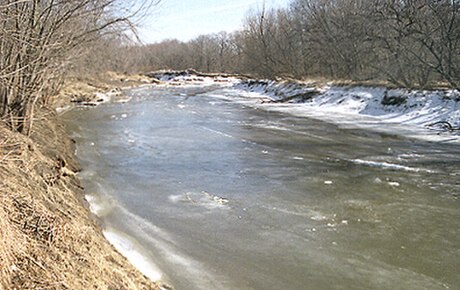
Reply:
x=428, y=114
x=431, y=115
x=90, y=98
x=189, y=78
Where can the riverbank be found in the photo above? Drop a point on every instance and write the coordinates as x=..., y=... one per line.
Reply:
x=47, y=235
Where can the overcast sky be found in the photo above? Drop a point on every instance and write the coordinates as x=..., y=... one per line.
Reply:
x=186, y=19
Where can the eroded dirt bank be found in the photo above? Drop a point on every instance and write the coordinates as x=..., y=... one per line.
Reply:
x=48, y=239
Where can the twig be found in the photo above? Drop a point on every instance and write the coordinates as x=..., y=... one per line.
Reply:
x=6, y=156
x=38, y=264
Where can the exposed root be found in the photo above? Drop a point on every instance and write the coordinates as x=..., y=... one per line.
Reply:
x=445, y=125
x=302, y=97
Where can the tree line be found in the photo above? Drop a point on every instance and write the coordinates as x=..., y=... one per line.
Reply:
x=42, y=40
x=410, y=43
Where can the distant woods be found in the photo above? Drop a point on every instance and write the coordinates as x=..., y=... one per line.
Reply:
x=41, y=41
x=410, y=43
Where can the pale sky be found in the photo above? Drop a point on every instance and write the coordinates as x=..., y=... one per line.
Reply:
x=187, y=19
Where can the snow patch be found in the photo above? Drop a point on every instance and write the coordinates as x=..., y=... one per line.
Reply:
x=132, y=252
x=192, y=78
x=98, y=206
x=205, y=199
x=391, y=166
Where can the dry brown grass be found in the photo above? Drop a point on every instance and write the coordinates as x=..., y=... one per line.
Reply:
x=320, y=82
x=47, y=238
x=120, y=79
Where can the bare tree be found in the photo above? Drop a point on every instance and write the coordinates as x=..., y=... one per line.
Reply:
x=40, y=38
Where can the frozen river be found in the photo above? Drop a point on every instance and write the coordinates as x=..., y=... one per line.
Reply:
x=215, y=194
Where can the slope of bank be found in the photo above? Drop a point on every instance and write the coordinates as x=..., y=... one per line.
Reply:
x=48, y=239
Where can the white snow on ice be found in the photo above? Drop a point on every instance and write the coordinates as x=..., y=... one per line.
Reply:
x=391, y=166
x=129, y=249
x=407, y=112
